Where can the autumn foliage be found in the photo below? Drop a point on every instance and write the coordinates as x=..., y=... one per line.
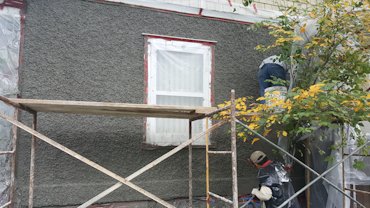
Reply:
x=328, y=72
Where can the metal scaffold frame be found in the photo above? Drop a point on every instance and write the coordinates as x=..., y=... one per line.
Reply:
x=319, y=176
x=117, y=109
x=34, y=106
x=234, y=202
x=308, y=168
x=354, y=190
x=11, y=153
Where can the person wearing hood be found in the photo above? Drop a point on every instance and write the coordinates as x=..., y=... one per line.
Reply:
x=275, y=184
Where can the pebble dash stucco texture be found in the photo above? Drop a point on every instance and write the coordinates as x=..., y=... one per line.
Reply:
x=81, y=50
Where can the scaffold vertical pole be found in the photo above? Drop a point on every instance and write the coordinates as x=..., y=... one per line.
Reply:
x=32, y=163
x=207, y=166
x=13, y=160
x=190, y=167
x=233, y=151
x=308, y=173
x=343, y=179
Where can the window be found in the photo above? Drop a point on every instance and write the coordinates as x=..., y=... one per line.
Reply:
x=178, y=73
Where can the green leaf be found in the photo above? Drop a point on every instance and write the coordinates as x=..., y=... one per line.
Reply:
x=329, y=159
x=359, y=165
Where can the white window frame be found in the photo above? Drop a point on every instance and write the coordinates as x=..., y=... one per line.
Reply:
x=181, y=45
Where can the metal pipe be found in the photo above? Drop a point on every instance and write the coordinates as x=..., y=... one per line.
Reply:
x=359, y=155
x=6, y=204
x=233, y=150
x=247, y=203
x=84, y=160
x=220, y=152
x=6, y=152
x=13, y=161
x=207, y=167
x=358, y=191
x=220, y=197
x=343, y=179
x=32, y=163
x=322, y=175
x=150, y=165
x=298, y=161
x=190, y=167
x=307, y=174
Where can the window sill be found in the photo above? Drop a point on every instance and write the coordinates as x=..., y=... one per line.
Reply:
x=148, y=146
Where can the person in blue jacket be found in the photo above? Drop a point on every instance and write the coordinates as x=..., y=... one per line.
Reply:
x=270, y=67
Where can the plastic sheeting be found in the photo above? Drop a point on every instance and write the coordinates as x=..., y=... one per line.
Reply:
x=5, y=144
x=322, y=194
x=276, y=178
x=9, y=50
x=9, y=62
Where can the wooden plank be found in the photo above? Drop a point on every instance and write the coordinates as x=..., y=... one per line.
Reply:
x=151, y=164
x=85, y=160
x=210, y=114
x=15, y=105
x=113, y=109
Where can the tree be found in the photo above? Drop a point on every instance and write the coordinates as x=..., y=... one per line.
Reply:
x=327, y=47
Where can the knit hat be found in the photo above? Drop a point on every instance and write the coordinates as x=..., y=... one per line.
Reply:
x=257, y=156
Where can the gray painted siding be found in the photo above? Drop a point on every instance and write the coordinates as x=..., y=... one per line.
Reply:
x=79, y=50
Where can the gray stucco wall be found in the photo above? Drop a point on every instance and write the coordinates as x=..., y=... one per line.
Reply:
x=79, y=50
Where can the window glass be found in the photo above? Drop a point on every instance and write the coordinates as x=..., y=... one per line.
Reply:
x=179, y=73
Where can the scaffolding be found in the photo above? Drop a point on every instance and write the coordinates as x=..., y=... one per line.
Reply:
x=112, y=109
x=352, y=188
x=234, y=202
x=143, y=110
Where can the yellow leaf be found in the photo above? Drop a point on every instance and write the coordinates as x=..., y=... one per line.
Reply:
x=281, y=40
x=285, y=133
x=253, y=126
x=266, y=132
x=255, y=140
x=297, y=38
